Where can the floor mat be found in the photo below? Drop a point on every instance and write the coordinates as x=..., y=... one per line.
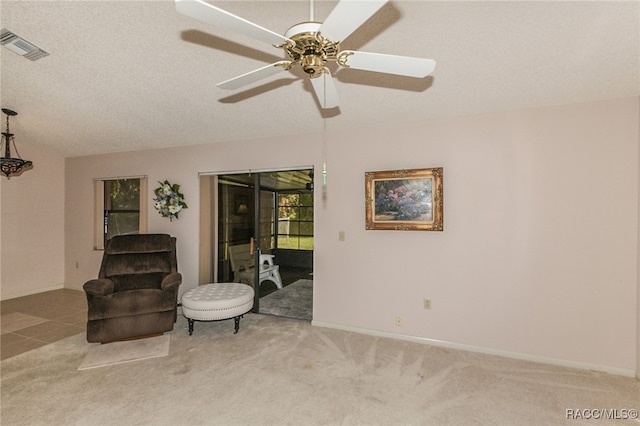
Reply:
x=121, y=352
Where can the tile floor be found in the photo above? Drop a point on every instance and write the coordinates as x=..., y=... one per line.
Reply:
x=32, y=321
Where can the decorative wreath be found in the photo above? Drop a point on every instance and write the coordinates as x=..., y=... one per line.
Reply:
x=169, y=200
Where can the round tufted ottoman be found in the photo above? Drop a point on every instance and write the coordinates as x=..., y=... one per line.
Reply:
x=214, y=302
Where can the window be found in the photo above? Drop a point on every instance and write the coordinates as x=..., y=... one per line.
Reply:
x=295, y=221
x=120, y=208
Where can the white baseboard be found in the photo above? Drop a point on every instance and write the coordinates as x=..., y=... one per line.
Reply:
x=30, y=292
x=483, y=350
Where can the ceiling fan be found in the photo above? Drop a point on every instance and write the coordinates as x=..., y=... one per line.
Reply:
x=311, y=45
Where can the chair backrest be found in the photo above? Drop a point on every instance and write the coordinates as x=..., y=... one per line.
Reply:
x=139, y=261
x=241, y=257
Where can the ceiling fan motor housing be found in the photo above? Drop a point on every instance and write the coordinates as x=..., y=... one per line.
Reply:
x=311, y=49
x=312, y=64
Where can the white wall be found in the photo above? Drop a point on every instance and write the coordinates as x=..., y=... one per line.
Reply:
x=32, y=226
x=539, y=254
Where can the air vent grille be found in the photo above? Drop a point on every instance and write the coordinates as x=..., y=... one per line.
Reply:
x=22, y=47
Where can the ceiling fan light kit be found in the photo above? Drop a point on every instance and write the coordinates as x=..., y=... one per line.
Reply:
x=312, y=45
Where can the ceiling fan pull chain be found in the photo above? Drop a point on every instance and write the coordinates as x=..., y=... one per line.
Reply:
x=324, y=145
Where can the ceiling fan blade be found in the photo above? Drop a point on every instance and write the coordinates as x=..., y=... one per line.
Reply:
x=325, y=90
x=347, y=17
x=215, y=16
x=255, y=75
x=390, y=64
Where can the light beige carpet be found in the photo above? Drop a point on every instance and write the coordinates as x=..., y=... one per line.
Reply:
x=278, y=371
x=121, y=352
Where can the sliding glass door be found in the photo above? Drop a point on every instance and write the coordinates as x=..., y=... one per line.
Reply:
x=240, y=216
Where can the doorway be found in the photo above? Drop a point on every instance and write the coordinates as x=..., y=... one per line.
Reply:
x=264, y=213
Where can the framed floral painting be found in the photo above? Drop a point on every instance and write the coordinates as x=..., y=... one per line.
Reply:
x=409, y=200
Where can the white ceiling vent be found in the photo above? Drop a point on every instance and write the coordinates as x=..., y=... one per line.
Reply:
x=22, y=47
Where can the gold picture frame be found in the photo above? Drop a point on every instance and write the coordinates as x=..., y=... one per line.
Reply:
x=405, y=200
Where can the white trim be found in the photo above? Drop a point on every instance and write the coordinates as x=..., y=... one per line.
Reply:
x=122, y=177
x=30, y=292
x=268, y=170
x=483, y=350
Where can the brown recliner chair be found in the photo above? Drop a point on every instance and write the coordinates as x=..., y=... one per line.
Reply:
x=136, y=292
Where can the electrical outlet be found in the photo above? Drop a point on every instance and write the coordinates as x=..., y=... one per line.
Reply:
x=427, y=303
x=340, y=235
x=398, y=321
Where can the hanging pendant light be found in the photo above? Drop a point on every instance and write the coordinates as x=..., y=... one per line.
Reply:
x=9, y=165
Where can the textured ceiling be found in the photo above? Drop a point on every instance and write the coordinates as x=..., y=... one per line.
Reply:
x=125, y=75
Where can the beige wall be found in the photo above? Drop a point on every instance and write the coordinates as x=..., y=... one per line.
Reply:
x=638, y=276
x=539, y=254
x=32, y=226
x=178, y=165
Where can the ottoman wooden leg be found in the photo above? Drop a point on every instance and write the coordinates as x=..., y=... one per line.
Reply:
x=237, y=321
x=190, y=326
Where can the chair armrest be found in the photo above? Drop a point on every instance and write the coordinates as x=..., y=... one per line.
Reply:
x=245, y=266
x=174, y=279
x=99, y=287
